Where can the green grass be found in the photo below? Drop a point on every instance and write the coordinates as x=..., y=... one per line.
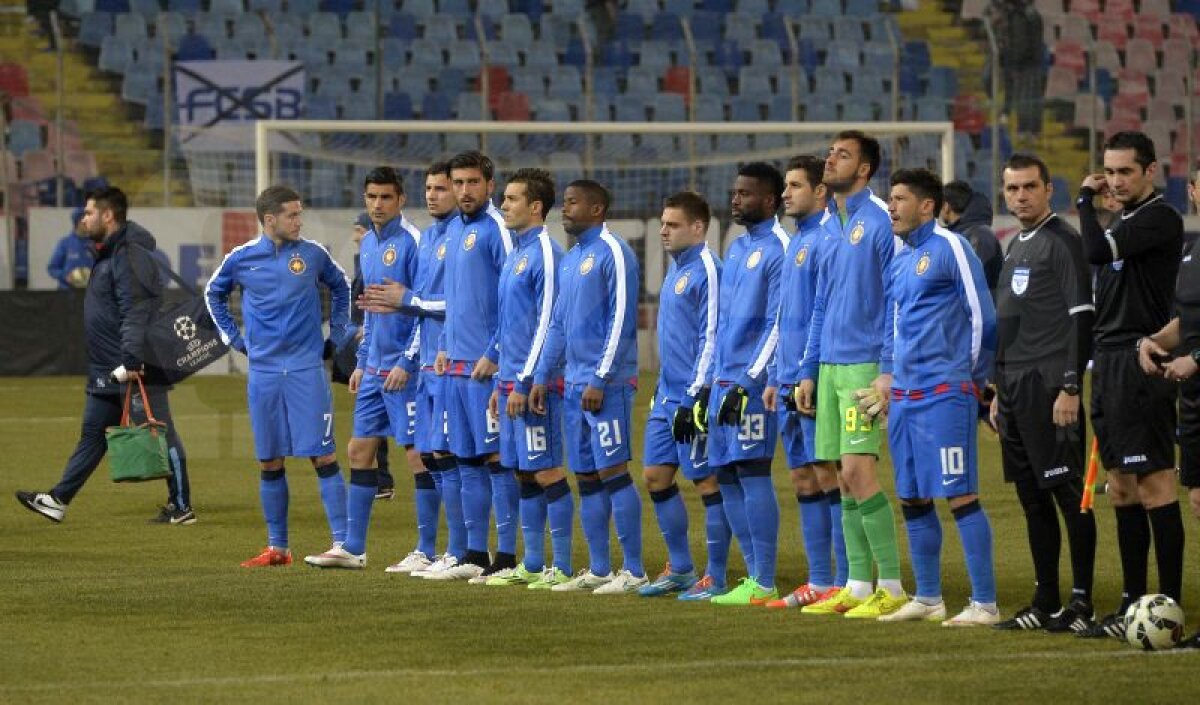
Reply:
x=106, y=608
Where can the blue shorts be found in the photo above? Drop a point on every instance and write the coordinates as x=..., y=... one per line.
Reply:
x=661, y=449
x=291, y=413
x=798, y=433
x=598, y=440
x=531, y=442
x=472, y=430
x=754, y=439
x=933, y=444
x=430, y=431
x=379, y=414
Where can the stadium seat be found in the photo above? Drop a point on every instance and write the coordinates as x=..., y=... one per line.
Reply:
x=530, y=82
x=76, y=8
x=14, y=80
x=779, y=109
x=618, y=147
x=616, y=54
x=129, y=27
x=565, y=83
x=361, y=28
x=1061, y=83
x=708, y=108
x=551, y=110
x=765, y=52
x=342, y=8
x=830, y=84
x=397, y=106
x=855, y=110
x=840, y=54
x=272, y=8
x=419, y=8
x=1140, y=56
x=740, y=28
x=1071, y=55
x=516, y=29
x=115, y=55
x=37, y=165
x=112, y=5
x=454, y=7
x=753, y=83
x=720, y=6
x=678, y=79
x=213, y=27
x=1151, y=28
x=825, y=8
x=706, y=28
x=849, y=29
x=667, y=27
x=140, y=88
x=402, y=26
x=467, y=107
x=439, y=29
x=513, y=105
x=24, y=136
x=1115, y=32
x=712, y=82
x=629, y=108
x=669, y=107
x=728, y=56
x=642, y=81
x=541, y=56
x=502, y=54
x=747, y=110
x=436, y=106
x=817, y=29
x=1183, y=25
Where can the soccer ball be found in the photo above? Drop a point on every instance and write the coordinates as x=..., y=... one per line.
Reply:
x=185, y=327
x=1154, y=623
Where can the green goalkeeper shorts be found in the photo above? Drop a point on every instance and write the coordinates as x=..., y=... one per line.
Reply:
x=841, y=428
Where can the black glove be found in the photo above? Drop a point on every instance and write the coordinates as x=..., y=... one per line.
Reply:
x=700, y=410
x=789, y=401
x=329, y=349
x=733, y=406
x=683, y=426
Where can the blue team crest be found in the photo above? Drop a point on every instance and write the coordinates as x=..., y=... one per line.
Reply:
x=588, y=263
x=801, y=256
x=681, y=284
x=389, y=256
x=469, y=240
x=856, y=235
x=1118, y=265
x=753, y=260
x=521, y=264
x=296, y=264
x=1020, y=280
x=923, y=264
x=441, y=251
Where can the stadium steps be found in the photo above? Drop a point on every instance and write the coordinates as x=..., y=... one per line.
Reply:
x=126, y=153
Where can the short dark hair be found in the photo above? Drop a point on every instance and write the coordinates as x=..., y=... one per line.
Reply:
x=1142, y=146
x=474, y=159
x=438, y=168
x=922, y=182
x=539, y=186
x=813, y=168
x=767, y=175
x=594, y=191
x=271, y=200
x=111, y=198
x=1022, y=160
x=957, y=195
x=868, y=148
x=692, y=204
x=383, y=175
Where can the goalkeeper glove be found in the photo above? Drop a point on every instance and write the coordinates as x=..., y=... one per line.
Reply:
x=870, y=402
x=790, y=400
x=733, y=406
x=700, y=410
x=683, y=426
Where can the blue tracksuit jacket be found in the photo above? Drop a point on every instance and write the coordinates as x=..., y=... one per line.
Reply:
x=391, y=254
x=687, y=325
x=426, y=299
x=476, y=247
x=527, y=290
x=797, y=294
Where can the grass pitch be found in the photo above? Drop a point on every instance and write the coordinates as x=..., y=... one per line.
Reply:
x=105, y=608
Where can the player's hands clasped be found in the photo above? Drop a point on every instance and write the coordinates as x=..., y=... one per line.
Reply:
x=382, y=298
x=1152, y=357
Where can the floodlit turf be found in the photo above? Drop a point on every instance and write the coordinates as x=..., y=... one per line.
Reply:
x=107, y=608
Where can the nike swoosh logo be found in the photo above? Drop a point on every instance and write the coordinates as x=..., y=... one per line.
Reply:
x=856, y=441
x=748, y=447
x=948, y=482
x=253, y=269
x=700, y=464
x=325, y=443
x=489, y=439
x=608, y=453
x=535, y=457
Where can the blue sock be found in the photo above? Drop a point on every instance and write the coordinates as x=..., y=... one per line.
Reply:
x=834, y=497
x=594, y=510
x=363, y=484
x=716, y=529
x=673, y=521
x=762, y=511
x=506, y=501
x=533, y=512
x=476, y=504
x=273, y=492
x=333, y=496
x=426, y=497
x=925, y=545
x=734, y=501
x=976, y=533
x=560, y=508
x=456, y=530
x=815, y=530
x=627, y=515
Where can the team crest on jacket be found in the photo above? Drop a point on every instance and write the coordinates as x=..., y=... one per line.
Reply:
x=923, y=264
x=389, y=256
x=801, y=256
x=521, y=264
x=1020, y=280
x=753, y=260
x=469, y=240
x=856, y=235
x=681, y=284
x=441, y=251
x=588, y=263
x=296, y=264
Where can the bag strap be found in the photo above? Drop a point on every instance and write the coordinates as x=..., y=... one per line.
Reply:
x=125, y=419
x=189, y=288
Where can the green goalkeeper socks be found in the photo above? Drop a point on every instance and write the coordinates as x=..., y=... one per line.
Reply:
x=858, y=549
x=880, y=532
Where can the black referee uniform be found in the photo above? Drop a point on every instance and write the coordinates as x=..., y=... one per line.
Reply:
x=1133, y=414
x=1187, y=308
x=1045, y=311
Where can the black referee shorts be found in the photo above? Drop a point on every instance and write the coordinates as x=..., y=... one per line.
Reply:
x=1133, y=414
x=1189, y=432
x=1033, y=448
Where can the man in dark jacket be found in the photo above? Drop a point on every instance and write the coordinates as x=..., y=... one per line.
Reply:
x=970, y=214
x=122, y=297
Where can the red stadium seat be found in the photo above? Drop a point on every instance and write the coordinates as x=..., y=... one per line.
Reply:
x=1183, y=25
x=1088, y=8
x=1115, y=32
x=1150, y=28
x=1070, y=55
x=678, y=79
x=1128, y=106
x=1118, y=124
x=1130, y=82
x=1119, y=10
x=14, y=80
x=1177, y=52
x=513, y=106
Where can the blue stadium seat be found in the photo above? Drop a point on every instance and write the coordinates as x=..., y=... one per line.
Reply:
x=289, y=32
x=869, y=82
x=402, y=26
x=878, y=55
x=818, y=29
x=843, y=55
x=467, y=107
x=878, y=28
x=858, y=110
x=339, y=7
x=397, y=106
x=742, y=29
x=831, y=84
x=630, y=27
x=232, y=7
x=465, y=57
x=24, y=136
x=454, y=7
x=452, y=81
x=600, y=107
x=618, y=147
x=808, y=55
x=733, y=144
x=425, y=53
x=862, y=8
x=669, y=107
x=439, y=29
x=721, y=6
x=630, y=108
x=551, y=110
x=849, y=29
x=915, y=57
x=617, y=55
x=436, y=106
x=574, y=55
x=753, y=83
x=604, y=81
x=779, y=109
x=728, y=56
x=361, y=28
x=644, y=9
x=821, y=111
x=825, y=8
x=655, y=55
x=666, y=27
x=491, y=29
x=642, y=82
x=752, y=7
x=765, y=52
x=351, y=58
x=146, y=8
x=744, y=110
x=194, y=47
x=530, y=82
x=187, y=7
x=457, y=142
x=112, y=5
x=419, y=8
x=516, y=29
x=140, y=87
x=249, y=27
x=932, y=110
x=129, y=27
x=706, y=28
x=712, y=82
x=709, y=108
x=176, y=26
x=942, y=83
x=76, y=8
x=773, y=140
x=320, y=108
x=115, y=54
x=214, y=27
x=325, y=28
x=541, y=56
x=273, y=8
x=566, y=83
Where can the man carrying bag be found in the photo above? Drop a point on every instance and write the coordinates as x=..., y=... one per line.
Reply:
x=122, y=300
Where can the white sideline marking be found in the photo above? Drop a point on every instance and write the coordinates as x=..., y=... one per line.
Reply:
x=509, y=670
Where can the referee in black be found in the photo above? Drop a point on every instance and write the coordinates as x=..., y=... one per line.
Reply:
x=1045, y=311
x=1182, y=335
x=1133, y=415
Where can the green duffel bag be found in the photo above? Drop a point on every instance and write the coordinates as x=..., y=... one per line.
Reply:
x=137, y=453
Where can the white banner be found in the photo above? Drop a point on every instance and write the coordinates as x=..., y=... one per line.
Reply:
x=219, y=101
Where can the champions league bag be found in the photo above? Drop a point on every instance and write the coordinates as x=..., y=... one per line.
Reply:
x=182, y=339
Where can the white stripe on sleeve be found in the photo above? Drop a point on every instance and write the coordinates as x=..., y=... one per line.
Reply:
x=614, y=336
x=543, y=326
x=704, y=367
x=964, y=270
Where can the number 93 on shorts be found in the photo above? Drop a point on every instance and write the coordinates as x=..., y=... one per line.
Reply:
x=752, y=439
